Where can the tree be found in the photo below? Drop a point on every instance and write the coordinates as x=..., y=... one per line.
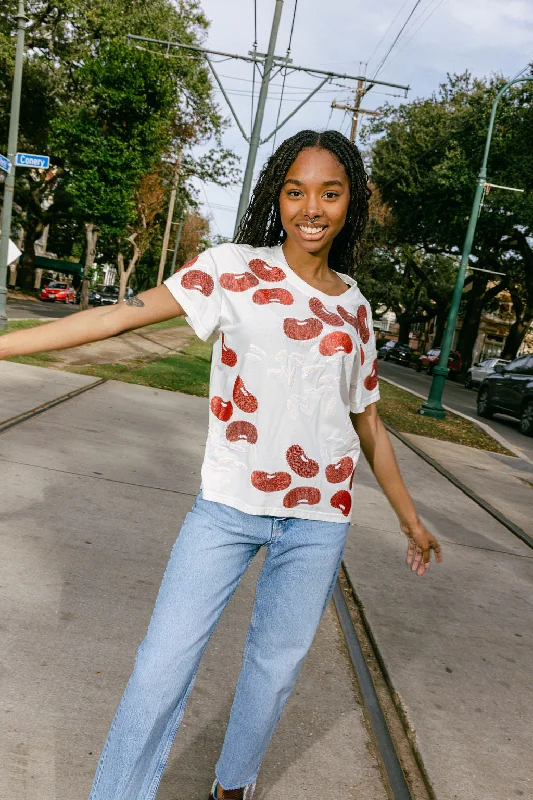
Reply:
x=65, y=41
x=402, y=277
x=425, y=164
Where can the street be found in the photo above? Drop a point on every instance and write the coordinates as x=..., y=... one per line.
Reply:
x=29, y=309
x=459, y=399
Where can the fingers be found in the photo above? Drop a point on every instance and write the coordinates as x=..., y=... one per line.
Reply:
x=419, y=559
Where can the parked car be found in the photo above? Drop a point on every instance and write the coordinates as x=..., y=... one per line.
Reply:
x=394, y=351
x=509, y=390
x=430, y=360
x=109, y=296
x=92, y=293
x=385, y=348
x=478, y=372
x=60, y=292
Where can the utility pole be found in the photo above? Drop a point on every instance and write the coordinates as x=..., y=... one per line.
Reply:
x=259, y=114
x=356, y=108
x=432, y=407
x=9, y=184
x=172, y=201
x=271, y=65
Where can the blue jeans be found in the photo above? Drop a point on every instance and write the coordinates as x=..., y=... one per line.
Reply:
x=215, y=546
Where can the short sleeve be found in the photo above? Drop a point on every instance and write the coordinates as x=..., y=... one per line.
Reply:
x=197, y=289
x=364, y=387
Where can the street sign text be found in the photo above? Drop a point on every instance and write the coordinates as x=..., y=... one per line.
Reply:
x=28, y=160
x=5, y=164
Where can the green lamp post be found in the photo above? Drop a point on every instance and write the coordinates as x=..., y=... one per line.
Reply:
x=432, y=407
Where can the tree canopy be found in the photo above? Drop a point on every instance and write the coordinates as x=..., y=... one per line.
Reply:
x=426, y=156
x=108, y=113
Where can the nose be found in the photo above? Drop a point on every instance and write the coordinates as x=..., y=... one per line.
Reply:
x=312, y=210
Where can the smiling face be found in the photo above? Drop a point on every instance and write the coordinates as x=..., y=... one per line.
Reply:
x=314, y=200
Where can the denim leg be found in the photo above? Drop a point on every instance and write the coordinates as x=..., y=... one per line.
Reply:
x=295, y=583
x=206, y=564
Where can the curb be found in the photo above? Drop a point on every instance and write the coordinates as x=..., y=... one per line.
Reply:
x=482, y=426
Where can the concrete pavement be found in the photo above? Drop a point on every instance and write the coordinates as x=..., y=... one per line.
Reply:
x=93, y=495
x=23, y=388
x=89, y=519
x=459, y=399
x=457, y=644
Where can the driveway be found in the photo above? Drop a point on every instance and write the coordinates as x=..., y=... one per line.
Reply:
x=459, y=399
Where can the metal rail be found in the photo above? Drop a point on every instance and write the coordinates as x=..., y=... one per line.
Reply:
x=391, y=763
x=515, y=530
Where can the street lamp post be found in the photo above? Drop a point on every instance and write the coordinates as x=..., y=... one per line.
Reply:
x=432, y=407
x=9, y=184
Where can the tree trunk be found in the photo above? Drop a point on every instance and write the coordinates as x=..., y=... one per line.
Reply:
x=440, y=325
x=404, y=333
x=516, y=336
x=126, y=273
x=472, y=317
x=91, y=237
x=26, y=273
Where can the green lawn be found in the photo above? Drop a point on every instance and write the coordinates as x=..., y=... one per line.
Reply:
x=400, y=408
x=187, y=371
x=36, y=359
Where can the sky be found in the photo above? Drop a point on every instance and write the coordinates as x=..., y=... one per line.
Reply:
x=344, y=36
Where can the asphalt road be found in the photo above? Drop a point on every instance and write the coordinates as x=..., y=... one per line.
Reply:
x=459, y=399
x=29, y=309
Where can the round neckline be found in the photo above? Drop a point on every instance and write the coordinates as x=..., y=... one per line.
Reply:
x=305, y=287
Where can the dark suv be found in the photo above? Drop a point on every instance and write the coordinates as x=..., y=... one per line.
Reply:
x=509, y=390
x=394, y=351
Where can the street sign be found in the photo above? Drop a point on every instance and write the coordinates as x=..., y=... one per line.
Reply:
x=28, y=160
x=5, y=164
x=12, y=252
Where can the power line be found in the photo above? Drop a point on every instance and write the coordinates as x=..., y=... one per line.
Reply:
x=376, y=48
x=528, y=66
x=393, y=45
x=439, y=3
x=254, y=68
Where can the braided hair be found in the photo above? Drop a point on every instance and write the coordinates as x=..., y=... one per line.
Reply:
x=261, y=224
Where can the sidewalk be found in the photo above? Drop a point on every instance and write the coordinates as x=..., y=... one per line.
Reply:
x=457, y=644
x=93, y=495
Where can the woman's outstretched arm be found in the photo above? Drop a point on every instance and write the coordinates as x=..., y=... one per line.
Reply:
x=379, y=453
x=154, y=305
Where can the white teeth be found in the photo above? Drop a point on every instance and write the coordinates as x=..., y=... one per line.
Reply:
x=310, y=230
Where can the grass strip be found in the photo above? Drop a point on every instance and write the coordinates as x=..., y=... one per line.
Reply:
x=35, y=359
x=400, y=410
x=187, y=371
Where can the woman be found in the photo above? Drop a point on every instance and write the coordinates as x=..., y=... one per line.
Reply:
x=292, y=399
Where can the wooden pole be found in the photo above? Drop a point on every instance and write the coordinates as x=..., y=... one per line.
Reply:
x=166, y=236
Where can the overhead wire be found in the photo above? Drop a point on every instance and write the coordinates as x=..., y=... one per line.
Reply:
x=396, y=39
x=376, y=48
x=254, y=69
x=285, y=73
x=427, y=18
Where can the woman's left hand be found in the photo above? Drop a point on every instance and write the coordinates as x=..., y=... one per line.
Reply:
x=421, y=543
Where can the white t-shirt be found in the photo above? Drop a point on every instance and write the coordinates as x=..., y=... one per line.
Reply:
x=289, y=364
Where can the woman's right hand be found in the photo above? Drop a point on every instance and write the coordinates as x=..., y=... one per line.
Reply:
x=154, y=305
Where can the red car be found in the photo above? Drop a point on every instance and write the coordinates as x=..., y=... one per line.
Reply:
x=61, y=292
x=431, y=359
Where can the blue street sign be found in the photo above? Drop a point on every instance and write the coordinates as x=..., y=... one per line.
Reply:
x=5, y=164
x=37, y=162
